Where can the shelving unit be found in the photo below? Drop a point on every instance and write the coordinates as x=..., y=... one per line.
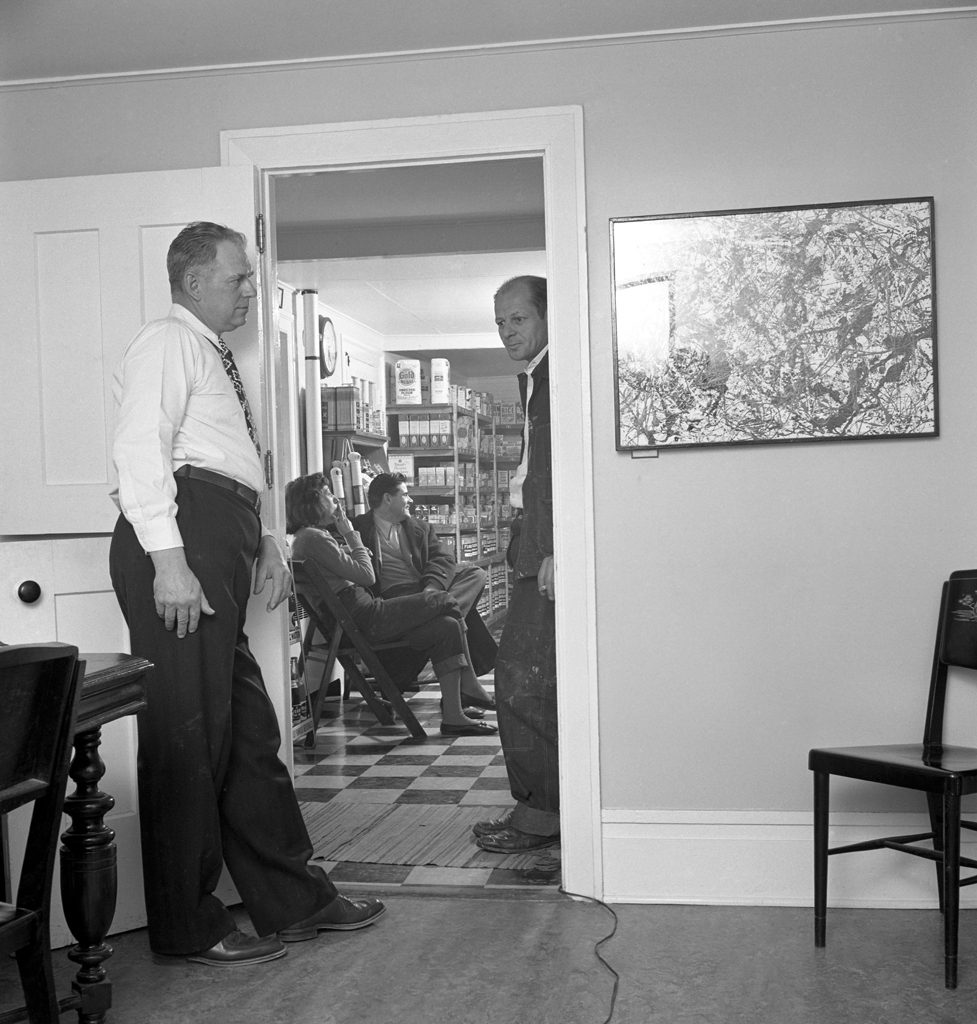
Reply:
x=370, y=446
x=454, y=485
x=506, y=446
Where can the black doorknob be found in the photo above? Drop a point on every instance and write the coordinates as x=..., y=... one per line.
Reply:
x=29, y=591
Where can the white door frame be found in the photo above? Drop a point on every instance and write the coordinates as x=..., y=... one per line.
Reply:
x=556, y=135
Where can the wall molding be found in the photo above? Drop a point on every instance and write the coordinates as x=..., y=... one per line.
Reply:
x=488, y=49
x=762, y=858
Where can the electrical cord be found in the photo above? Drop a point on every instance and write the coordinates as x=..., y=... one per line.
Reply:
x=597, y=953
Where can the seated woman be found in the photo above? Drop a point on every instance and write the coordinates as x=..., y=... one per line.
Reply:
x=429, y=622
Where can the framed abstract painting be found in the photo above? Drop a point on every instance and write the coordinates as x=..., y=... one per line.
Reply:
x=805, y=323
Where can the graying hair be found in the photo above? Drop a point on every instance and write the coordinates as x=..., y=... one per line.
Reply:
x=196, y=246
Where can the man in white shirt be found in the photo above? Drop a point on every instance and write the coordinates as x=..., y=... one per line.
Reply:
x=212, y=789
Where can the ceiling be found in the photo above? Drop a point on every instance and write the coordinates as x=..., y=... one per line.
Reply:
x=54, y=38
x=416, y=253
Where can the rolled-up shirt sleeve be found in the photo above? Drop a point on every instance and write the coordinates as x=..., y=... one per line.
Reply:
x=153, y=386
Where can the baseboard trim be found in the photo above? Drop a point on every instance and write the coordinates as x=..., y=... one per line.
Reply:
x=761, y=858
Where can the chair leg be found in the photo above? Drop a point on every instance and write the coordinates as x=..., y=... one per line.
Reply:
x=935, y=803
x=951, y=884
x=820, y=857
x=37, y=978
x=367, y=692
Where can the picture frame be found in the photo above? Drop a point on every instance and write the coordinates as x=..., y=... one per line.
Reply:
x=771, y=325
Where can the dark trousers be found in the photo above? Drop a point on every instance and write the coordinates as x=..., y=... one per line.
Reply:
x=525, y=695
x=415, y=618
x=212, y=789
x=466, y=587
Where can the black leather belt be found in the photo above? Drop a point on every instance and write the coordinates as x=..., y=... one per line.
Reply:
x=249, y=495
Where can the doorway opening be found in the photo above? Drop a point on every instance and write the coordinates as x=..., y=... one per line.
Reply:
x=555, y=135
x=402, y=264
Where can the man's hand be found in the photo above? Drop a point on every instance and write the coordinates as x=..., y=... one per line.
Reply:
x=547, y=577
x=180, y=599
x=271, y=566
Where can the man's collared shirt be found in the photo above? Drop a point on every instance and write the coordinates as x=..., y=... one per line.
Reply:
x=396, y=567
x=176, y=406
x=515, y=484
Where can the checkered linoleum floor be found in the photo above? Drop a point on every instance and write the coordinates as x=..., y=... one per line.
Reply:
x=357, y=765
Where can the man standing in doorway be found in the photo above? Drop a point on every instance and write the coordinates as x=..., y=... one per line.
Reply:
x=525, y=671
x=212, y=789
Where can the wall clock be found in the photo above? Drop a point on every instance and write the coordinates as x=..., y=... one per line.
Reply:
x=328, y=347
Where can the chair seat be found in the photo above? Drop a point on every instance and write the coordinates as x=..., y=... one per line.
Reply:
x=900, y=764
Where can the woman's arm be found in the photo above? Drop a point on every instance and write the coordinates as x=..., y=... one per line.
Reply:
x=353, y=564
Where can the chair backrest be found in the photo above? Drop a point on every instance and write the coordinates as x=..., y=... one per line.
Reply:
x=315, y=595
x=39, y=689
x=329, y=613
x=958, y=628
x=956, y=647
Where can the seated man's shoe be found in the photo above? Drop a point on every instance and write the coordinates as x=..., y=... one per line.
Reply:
x=486, y=828
x=471, y=700
x=469, y=711
x=472, y=729
x=342, y=915
x=240, y=950
x=511, y=840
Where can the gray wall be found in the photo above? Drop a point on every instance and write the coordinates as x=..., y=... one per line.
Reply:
x=752, y=602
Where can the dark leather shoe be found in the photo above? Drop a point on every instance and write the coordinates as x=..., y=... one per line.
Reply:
x=240, y=950
x=472, y=729
x=511, y=840
x=342, y=915
x=486, y=828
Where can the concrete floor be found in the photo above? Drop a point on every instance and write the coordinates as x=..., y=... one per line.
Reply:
x=467, y=959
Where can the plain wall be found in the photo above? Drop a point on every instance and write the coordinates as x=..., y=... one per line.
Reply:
x=752, y=601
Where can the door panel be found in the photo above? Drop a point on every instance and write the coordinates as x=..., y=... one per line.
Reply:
x=77, y=606
x=84, y=268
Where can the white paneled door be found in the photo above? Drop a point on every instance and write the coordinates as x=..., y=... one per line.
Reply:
x=84, y=267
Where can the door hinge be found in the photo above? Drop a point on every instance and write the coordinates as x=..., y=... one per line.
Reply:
x=259, y=232
x=269, y=469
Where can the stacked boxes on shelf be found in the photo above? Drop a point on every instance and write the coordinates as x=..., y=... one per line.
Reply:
x=351, y=408
x=497, y=585
x=440, y=434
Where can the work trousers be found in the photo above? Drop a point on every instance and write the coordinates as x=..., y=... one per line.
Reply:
x=525, y=696
x=212, y=789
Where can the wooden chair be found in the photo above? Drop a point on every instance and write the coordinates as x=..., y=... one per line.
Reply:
x=944, y=773
x=39, y=688
x=343, y=641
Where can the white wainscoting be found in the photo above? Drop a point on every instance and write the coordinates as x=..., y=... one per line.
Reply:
x=763, y=858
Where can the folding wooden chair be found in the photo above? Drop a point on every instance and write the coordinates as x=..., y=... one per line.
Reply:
x=343, y=641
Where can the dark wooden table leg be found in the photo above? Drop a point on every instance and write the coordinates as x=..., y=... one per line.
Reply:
x=89, y=878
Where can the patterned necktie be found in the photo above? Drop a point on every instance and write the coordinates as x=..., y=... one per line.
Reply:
x=231, y=368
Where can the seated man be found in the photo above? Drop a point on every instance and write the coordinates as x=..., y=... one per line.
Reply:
x=428, y=622
x=408, y=558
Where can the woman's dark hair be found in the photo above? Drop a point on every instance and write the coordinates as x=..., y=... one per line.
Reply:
x=302, y=507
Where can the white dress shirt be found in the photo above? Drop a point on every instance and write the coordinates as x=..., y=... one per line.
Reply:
x=515, y=484
x=176, y=406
